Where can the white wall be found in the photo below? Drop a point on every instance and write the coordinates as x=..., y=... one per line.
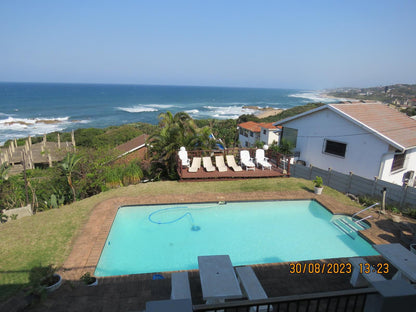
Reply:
x=363, y=151
x=250, y=139
x=269, y=137
x=397, y=176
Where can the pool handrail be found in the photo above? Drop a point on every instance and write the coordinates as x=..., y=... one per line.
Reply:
x=364, y=210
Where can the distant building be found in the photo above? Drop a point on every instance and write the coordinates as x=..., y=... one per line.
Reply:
x=250, y=132
x=133, y=149
x=370, y=140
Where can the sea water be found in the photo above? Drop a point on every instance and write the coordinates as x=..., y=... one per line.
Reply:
x=147, y=239
x=38, y=108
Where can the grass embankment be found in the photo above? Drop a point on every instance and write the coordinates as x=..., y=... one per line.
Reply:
x=46, y=238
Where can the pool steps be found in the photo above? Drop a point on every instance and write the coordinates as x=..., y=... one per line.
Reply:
x=347, y=225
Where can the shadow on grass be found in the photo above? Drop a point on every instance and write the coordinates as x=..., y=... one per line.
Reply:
x=305, y=188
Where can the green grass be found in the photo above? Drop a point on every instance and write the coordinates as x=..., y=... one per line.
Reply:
x=46, y=238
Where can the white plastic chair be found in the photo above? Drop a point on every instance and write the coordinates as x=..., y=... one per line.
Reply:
x=262, y=160
x=246, y=160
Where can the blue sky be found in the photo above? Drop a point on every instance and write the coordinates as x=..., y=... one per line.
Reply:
x=278, y=44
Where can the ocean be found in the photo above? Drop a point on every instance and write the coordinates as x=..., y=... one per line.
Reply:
x=38, y=108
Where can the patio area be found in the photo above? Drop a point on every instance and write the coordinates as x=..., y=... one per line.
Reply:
x=130, y=293
x=280, y=166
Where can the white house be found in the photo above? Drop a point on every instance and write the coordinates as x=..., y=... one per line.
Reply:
x=370, y=140
x=250, y=132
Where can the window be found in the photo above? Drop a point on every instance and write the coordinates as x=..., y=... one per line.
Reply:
x=241, y=131
x=251, y=133
x=398, y=161
x=290, y=135
x=335, y=148
x=264, y=132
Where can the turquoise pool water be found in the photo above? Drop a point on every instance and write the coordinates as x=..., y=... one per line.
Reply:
x=146, y=239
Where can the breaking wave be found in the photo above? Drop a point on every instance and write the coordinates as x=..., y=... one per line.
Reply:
x=314, y=96
x=143, y=108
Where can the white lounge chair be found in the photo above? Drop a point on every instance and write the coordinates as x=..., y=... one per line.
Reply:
x=246, y=160
x=261, y=160
x=196, y=164
x=219, y=162
x=207, y=164
x=183, y=156
x=232, y=164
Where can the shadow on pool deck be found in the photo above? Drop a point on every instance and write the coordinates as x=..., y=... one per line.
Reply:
x=130, y=293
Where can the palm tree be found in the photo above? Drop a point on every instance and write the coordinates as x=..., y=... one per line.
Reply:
x=68, y=165
x=177, y=130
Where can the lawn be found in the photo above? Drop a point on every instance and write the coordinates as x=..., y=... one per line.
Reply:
x=46, y=238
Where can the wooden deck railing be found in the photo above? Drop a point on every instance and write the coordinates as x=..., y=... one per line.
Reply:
x=279, y=160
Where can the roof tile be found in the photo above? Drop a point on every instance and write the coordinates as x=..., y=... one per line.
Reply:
x=389, y=122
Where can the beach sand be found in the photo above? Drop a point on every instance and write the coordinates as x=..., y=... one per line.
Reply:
x=267, y=112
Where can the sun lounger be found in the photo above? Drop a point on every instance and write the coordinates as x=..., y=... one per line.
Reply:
x=180, y=286
x=261, y=160
x=207, y=164
x=232, y=164
x=219, y=162
x=183, y=156
x=251, y=286
x=196, y=164
x=246, y=160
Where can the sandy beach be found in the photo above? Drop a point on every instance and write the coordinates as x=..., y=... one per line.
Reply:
x=263, y=112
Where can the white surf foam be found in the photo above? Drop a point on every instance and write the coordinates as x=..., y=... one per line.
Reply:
x=192, y=111
x=227, y=112
x=315, y=96
x=161, y=105
x=11, y=128
x=137, y=109
x=143, y=108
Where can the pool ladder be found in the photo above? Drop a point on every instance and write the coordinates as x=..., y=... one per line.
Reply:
x=348, y=225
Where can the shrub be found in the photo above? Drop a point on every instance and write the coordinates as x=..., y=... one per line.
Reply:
x=366, y=200
x=318, y=182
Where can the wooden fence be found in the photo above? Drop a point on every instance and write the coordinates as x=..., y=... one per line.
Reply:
x=350, y=183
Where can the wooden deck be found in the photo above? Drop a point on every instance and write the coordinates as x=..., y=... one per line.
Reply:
x=230, y=174
x=275, y=159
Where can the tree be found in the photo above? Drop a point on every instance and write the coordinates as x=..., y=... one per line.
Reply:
x=176, y=131
x=68, y=166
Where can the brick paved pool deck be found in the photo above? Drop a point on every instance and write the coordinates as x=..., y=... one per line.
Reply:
x=130, y=293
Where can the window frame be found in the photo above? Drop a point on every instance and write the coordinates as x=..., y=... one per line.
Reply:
x=324, y=150
x=401, y=159
x=293, y=133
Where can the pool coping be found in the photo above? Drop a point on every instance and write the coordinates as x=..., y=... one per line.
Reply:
x=87, y=247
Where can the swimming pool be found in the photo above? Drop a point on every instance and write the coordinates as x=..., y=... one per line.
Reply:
x=158, y=238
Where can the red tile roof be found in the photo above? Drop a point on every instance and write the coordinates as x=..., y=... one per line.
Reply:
x=380, y=118
x=256, y=126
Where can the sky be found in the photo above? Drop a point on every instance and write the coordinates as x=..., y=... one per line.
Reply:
x=274, y=44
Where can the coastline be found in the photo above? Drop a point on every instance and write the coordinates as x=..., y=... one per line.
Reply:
x=263, y=112
x=267, y=112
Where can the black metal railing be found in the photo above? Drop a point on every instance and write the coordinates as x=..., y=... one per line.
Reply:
x=344, y=300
